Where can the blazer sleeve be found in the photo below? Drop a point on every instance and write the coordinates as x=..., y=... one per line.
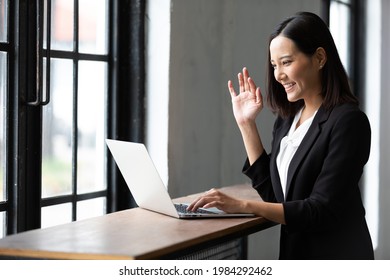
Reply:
x=335, y=195
x=259, y=171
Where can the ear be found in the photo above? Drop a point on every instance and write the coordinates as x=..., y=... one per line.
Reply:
x=320, y=57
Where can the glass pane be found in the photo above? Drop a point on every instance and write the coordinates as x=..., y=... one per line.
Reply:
x=2, y=224
x=93, y=26
x=57, y=131
x=62, y=14
x=3, y=103
x=56, y=215
x=91, y=208
x=339, y=25
x=91, y=126
x=3, y=20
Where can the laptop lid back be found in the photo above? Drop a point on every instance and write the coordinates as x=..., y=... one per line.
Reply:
x=141, y=176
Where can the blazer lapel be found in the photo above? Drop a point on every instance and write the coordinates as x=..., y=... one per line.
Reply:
x=307, y=142
x=278, y=135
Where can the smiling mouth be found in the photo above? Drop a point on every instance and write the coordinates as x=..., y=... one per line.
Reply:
x=288, y=86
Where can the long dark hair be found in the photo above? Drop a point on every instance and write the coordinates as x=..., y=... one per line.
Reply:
x=309, y=32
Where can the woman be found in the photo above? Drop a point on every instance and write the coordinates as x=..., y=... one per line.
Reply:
x=321, y=142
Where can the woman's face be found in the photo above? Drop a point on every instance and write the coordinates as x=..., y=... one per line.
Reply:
x=298, y=73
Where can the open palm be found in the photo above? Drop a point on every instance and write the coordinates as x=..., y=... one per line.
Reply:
x=249, y=102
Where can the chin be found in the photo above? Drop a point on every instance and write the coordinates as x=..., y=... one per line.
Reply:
x=293, y=96
x=292, y=99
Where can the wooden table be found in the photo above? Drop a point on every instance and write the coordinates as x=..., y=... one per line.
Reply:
x=132, y=234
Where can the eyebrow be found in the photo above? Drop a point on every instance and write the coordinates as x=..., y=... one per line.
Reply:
x=283, y=57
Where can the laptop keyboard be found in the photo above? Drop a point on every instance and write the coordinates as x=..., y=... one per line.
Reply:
x=182, y=208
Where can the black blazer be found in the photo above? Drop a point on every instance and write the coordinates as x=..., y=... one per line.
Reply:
x=324, y=213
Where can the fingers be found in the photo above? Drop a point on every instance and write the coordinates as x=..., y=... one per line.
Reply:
x=245, y=83
x=231, y=89
x=198, y=203
x=259, y=97
x=252, y=85
x=246, y=77
x=241, y=82
x=205, y=200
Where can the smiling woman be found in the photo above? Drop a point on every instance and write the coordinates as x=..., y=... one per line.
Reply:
x=299, y=73
x=309, y=182
x=317, y=45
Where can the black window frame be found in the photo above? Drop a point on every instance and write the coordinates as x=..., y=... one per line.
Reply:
x=126, y=90
x=357, y=38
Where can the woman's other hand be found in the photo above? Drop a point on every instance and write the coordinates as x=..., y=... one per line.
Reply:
x=216, y=198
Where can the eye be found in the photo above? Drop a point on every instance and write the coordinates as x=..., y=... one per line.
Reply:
x=286, y=62
x=273, y=66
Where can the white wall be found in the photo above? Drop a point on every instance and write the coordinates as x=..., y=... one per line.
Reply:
x=209, y=43
x=158, y=30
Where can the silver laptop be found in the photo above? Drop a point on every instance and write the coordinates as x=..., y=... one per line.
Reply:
x=146, y=186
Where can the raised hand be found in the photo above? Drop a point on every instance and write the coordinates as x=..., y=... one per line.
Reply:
x=249, y=102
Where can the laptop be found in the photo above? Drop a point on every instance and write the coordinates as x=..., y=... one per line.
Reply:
x=146, y=186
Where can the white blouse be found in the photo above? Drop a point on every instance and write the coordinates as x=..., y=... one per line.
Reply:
x=289, y=145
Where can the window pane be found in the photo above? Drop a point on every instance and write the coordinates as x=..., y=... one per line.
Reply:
x=93, y=26
x=3, y=20
x=2, y=224
x=91, y=208
x=3, y=103
x=56, y=215
x=62, y=13
x=91, y=126
x=57, y=131
x=340, y=26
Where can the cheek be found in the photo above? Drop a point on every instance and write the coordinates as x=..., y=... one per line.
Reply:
x=302, y=75
x=295, y=74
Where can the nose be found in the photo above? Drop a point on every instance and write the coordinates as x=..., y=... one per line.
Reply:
x=279, y=74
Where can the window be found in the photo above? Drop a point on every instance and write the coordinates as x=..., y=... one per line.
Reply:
x=61, y=96
x=3, y=102
x=347, y=24
x=74, y=121
x=340, y=26
x=356, y=26
x=4, y=50
x=376, y=93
